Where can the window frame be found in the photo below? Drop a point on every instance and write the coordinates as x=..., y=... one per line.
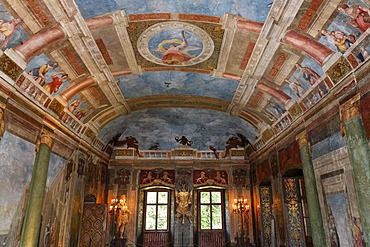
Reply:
x=157, y=190
x=222, y=204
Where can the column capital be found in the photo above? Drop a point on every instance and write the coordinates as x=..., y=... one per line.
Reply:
x=46, y=138
x=350, y=109
x=302, y=139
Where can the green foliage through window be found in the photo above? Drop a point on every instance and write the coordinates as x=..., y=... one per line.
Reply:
x=210, y=210
x=156, y=210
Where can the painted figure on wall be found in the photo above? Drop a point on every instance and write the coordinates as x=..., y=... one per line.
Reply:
x=232, y=142
x=359, y=15
x=183, y=141
x=276, y=108
x=54, y=85
x=39, y=73
x=341, y=40
x=357, y=233
x=308, y=74
x=296, y=88
x=7, y=29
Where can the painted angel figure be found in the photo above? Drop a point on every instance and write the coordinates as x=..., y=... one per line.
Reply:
x=176, y=51
x=183, y=200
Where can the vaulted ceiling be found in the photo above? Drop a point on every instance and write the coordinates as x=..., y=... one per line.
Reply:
x=202, y=68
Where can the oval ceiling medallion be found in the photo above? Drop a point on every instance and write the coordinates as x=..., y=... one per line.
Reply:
x=175, y=44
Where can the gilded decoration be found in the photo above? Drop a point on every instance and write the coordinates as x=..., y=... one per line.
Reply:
x=47, y=138
x=124, y=152
x=339, y=70
x=183, y=200
x=157, y=177
x=266, y=213
x=57, y=107
x=302, y=139
x=203, y=178
x=9, y=67
x=295, y=110
x=350, y=109
x=267, y=134
x=89, y=134
x=183, y=152
x=295, y=226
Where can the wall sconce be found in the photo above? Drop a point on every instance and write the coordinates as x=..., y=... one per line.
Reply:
x=240, y=205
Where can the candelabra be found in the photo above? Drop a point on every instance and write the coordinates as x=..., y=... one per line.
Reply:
x=117, y=210
x=240, y=208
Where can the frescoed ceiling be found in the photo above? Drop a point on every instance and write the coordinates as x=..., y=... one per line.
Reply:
x=149, y=68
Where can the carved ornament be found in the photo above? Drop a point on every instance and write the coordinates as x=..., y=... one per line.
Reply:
x=47, y=138
x=350, y=109
x=302, y=139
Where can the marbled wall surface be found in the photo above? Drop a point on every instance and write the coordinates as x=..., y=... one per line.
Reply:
x=16, y=162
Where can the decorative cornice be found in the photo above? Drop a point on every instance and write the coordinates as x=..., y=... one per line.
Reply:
x=350, y=109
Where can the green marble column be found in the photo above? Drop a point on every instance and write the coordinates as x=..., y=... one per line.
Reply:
x=359, y=156
x=314, y=210
x=32, y=219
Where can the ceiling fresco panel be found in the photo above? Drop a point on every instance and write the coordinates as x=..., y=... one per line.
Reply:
x=12, y=32
x=256, y=10
x=203, y=127
x=173, y=83
x=144, y=49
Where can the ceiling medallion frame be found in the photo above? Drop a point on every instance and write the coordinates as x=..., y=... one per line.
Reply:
x=185, y=60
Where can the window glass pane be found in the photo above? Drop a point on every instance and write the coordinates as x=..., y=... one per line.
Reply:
x=162, y=217
x=151, y=197
x=216, y=197
x=216, y=217
x=162, y=197
x=204, y=197
x=205, y=217
x=150, y=217
x=162, y=211
x=162, y=224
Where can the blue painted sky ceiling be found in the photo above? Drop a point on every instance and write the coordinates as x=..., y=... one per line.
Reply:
x=256, y=10
x=173, y=83
x=203, y=127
